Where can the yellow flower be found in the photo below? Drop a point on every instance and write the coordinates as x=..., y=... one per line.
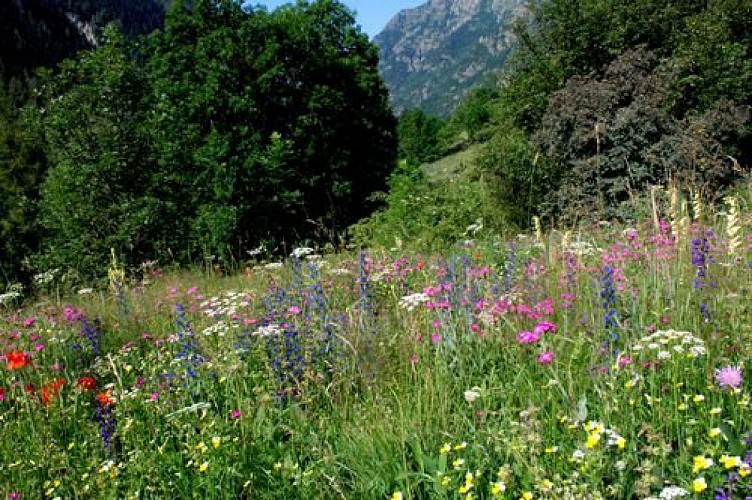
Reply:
x=701, y=463
x=498, y=488
x=203, y=467
x=595, y=427
x=216, y=440
x=201, y=447
x=745, y=470
x=731, y=462
x=699, y=485
x=460, y=446
x=715, y=432
x=527, y=496
x=458, y=463
x=552, y=449
x=698, y=398
x=621, y=443
x=682, y=407
x=445, y=481
x=445, y=448
x=593, y=440
x=715, y=411
x=397, y=495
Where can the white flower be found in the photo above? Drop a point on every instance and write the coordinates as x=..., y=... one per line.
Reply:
x=269, y=330
x=340, y=272
x=85, y=291
x=472, y=394
x=673, y=492
x=8, y=297
x=664, y=355
x=301, y=252
x=273, y=265
x=410, y=302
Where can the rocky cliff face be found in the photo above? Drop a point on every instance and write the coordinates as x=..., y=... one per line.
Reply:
x=433, y=54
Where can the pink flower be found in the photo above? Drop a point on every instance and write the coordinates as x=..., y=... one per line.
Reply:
x=546, y=357
x=625, y=361
x=30, y=322
x=293, y=310
x=528, y=337
x=414, y=359
x=154, y=396
x=545, y=327
x=436, y=338
x=235, y=414
x=729, y=376
x=191, y=290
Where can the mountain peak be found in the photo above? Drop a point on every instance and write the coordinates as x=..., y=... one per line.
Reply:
x=431, y=55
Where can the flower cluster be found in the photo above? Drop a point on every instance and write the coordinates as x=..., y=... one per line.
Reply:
x=413, y=301
x=665, y=344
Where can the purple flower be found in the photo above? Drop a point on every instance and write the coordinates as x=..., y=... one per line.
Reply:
x=729, y=376
x=545, y=327
x=529, y=337
x=546, y=357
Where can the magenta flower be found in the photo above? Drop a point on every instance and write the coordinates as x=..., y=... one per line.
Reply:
x=729, y=376
x=436, y=338
x=30, y=322
x=546, y=357
x=235, y=414
x=545, y=327
x=294, y=310
x=528, y=337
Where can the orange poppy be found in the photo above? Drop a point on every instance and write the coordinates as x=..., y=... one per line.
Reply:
x=51, y=391
x=105, y=399
x=17, y=359
x=87, y=383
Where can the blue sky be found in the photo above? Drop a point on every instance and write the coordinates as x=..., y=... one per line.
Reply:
x=372, y=15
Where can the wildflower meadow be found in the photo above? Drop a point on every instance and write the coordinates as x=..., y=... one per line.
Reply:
x=611, y=361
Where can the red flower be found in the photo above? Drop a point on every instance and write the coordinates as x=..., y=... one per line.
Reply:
x=2, y=393
x=87, y=383
x=105, y=399
x=51, y=391
x=17, y=359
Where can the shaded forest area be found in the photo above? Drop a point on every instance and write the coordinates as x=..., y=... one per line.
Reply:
x=229, y=129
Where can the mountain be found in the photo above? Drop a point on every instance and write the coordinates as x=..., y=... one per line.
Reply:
x=433, y=54
x=37, y=33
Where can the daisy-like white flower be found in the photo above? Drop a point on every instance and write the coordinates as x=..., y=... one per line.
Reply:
x=729, y=376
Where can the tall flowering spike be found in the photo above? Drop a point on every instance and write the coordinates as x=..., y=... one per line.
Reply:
x=105, y=417
x=608, y=303
x=92, y=334
x=366, y=303
x=733, y=227
x=116, y=274
x=189, y=351
x=510, y=268
x=700, y=250
x=701, y=261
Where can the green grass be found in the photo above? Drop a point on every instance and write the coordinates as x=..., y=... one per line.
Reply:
x=360, y=397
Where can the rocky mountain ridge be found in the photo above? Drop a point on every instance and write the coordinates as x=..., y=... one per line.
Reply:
x=433, y=54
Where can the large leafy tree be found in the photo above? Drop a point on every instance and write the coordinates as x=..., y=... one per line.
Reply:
x=276, y=126
x=227, y=129
x=98, y=193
